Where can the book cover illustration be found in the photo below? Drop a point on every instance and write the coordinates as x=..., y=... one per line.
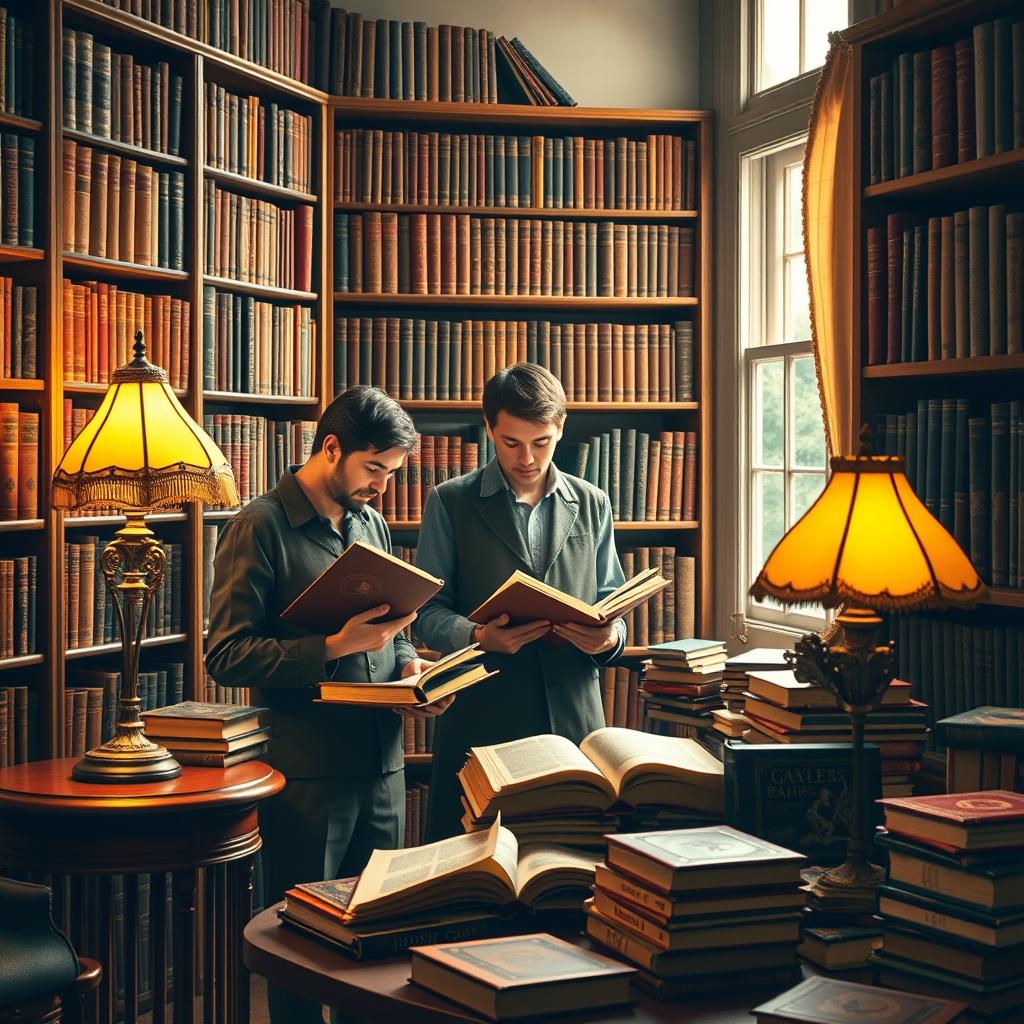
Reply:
x=697, y=847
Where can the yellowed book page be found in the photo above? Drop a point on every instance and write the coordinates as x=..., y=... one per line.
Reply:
x=521, y=762
x=620, y=753
x=545, y=858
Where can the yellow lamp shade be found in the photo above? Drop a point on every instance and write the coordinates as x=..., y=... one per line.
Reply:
x=142, y=450
x=868, y=540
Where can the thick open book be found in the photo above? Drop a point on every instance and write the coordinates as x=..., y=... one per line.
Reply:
x=548, y=774
x=360, y=578
x=450, y=674
x=525, y=599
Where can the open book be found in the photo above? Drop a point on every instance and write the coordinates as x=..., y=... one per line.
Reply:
x=525, y=599
x=548, y=774
x=360, y=578
x=450, y=674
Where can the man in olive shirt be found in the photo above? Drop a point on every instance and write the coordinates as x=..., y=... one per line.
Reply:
x=345, y=795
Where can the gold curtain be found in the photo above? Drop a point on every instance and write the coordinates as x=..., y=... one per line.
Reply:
x=828, y=243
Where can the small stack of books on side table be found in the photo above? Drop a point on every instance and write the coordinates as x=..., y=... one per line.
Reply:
x=953, y=903
x=729, y=720
x=208, y=735
x=700, y=910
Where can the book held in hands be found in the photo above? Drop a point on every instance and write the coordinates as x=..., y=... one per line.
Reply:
x=361, y=578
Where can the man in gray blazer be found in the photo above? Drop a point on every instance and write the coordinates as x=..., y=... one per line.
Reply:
x=345, y=795
x=516, y=512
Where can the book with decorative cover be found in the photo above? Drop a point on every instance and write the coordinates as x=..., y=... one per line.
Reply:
x=195, y=719
x=509, y=978
x=988, y=819
x=984, y=728
x=361, y=578
x=830, y=1001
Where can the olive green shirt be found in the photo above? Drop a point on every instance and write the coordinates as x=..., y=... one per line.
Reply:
x=267, y=555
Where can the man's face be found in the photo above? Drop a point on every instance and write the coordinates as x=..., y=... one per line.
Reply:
x=524, y=449
x=357, y=478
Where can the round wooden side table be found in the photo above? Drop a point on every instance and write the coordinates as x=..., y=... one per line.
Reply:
x=201, y=829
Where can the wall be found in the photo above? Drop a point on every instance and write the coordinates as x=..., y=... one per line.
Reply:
x=605, y=53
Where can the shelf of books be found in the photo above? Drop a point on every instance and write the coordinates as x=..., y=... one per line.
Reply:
x=940, y=315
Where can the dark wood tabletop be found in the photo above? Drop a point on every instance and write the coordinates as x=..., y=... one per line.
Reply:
x=380, y=990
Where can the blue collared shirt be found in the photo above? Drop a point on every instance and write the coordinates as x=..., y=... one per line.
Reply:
x=438, y=624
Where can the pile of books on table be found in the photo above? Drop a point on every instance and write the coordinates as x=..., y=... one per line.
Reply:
x=984, y=749
x=729, y=719
x=699, y=910
x=780, y=709
x=208, y=735
x=953, y=902
x=547, y=789
x=466, y=887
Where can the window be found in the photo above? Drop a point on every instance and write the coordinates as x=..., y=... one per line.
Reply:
x=792, y=37
x=784, y=469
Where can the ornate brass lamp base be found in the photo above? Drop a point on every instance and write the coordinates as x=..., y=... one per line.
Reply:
x=113, y=763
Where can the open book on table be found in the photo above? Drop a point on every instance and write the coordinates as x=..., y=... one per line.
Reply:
x=549, y=774
x=449, y=674
x=526, y=599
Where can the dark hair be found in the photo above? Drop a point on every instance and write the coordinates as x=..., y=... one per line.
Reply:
x=365, y=418
x=526, y=391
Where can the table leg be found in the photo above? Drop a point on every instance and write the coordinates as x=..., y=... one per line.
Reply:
x=158, y=945
x=240, y=886
x=183, y=927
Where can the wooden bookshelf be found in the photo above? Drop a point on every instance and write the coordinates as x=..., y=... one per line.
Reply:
x=603, y=303
x=966, y=680
x=558, y=213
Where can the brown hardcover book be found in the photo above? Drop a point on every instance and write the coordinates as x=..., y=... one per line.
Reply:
x=966, y=140
x=876, y=295
x=126, y=244
x=361, y=578
x=942, y=90
x=113, y=210
x=99, y=199
x=389, y=245
x=68, y=194
x=304, y=248
x=653, y=481
x=894, y=278
x=201, y=721
x=83, y=185
x=28, y=465
x=9, y=460
x=689, y=511
x=665, y=480
x=144, y=226
x=934, y=253
x=373, y=252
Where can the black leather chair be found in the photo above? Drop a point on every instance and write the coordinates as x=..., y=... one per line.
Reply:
x=41, y=978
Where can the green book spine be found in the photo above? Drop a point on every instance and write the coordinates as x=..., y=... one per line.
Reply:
x=984, y=88
x=209, y=339
x=979, y=436
x=933, y=453
x=643, y=448
x=444, y=334
x=1013, y=545
x=907, y=302
x=997, y=304
x=101, y=90
x=875, y=129
x=900, y=447
x=604, y=480
x=455, y=347
x=615, y=493
x=919, y=297
x=341, y=381
x=921, y=428
x=499, y=189
x=405, y=359
x=549, y=156
x=1015, y=280
x=83, y=87
x=567, y=173
x=69, y=72
x=1000, y=497
x=1017, y=64
x=525, y=172
x=26, y=191
x=177, y=220
x=419, y=359
x=961, y=284
x=1002, y=85
x=947, y=463
x=594, y=461
x=430, y=371
x=163, y=219
x=885, y=123
x=922, y=124
x=341, y=277
x=978, y=280
x=906, y=116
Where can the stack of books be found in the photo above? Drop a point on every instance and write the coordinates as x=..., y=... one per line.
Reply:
x=208, y=735
x=729, y=720
x=780, y=709
x=953, y=903
x=682, y=683
x=547, y=789
x=984, y=749
x=699, y=910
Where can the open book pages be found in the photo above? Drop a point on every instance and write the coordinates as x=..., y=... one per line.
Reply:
x=445, y=676
x=551, y=877
x=548, y=774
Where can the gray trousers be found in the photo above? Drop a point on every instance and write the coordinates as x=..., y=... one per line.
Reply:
x=325, y=828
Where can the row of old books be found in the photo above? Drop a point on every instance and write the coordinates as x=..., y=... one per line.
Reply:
x=648, y=479
x=969, y=471
x=656, y=172
x=259, y=450
x=729, y=721
x=415, y=359
x=984, y=749
x=19, y=719
x=951, y=912
x=19, y=330
x=548, y=790
x=99, y=322
x=18, y=583
x=19, y=462
x=258, y=139
x=948, y=289
x=208, y=735
x=211, y=537
x=461, y=254
x=17, y=189
x=211, y=692
x=91, y=703
x=619, y=689
x=273, y=33
x=256, y=241
x=17, y=64
x=416, y=797
x=949, y=104
x=956, y=665
x=418, y=735
x=115, y=96
x=90, y=612
x=257, y=347
x=699, y=910
x=121, y=209
x=671, y=612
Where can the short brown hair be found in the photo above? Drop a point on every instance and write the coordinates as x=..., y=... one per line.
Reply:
x=527, y=391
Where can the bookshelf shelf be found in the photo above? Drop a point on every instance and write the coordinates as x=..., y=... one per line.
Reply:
x=118, y=268
x=113, y=520
x=473, y=405
x=26, y=124
x=572, y=213
x=85, y=387
x=259, y=188
x=242, y=398
x=1003, y=597
x=73, y=654
x=25, y=384
x=627, y=526
x=947, y=367
x=21, y=661
x=153, y=156
x=21, y=525
x=260, y=290
x=971, y=176
x=553, y=302
x=20, y=254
